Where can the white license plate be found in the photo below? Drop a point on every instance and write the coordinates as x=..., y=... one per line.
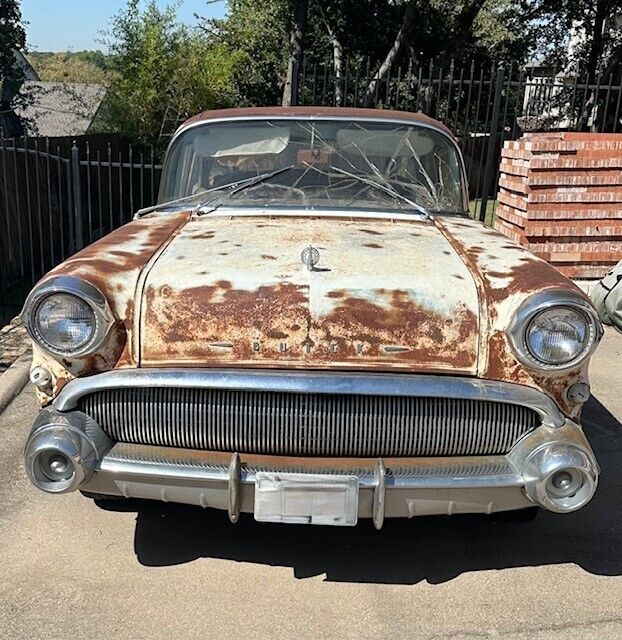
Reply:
x=302, y=498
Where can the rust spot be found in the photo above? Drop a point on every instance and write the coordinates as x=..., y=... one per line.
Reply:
x=336, y=294
x=523, y=276
x=113, y=265
x=430, y=336
x=178, y=322
x=265, y=256
x=276, y=335
x=373, y=245
x=371, y=232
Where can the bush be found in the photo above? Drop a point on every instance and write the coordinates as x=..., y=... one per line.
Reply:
x=162, y=73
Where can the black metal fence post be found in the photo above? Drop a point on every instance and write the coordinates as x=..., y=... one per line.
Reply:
x=77, y=196
x=492, y=142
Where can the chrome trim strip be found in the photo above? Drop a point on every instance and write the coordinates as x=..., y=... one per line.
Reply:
x=347, y=383
x=144, y=463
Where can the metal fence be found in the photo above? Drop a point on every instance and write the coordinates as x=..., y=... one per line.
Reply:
x=484, y=105
x=56, y=199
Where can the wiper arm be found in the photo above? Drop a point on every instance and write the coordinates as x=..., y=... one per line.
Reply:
x=142, y=212
x=236, y=187
x=385, y=188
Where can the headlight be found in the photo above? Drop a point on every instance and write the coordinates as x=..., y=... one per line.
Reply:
x=558, y=336
x=555, y=330
x=67, y=316
x=64, y=323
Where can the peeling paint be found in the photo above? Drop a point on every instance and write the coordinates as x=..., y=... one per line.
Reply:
x=113, y=265
x=506, y=282
x=345, y=313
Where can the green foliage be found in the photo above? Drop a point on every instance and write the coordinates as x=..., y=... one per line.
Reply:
x=162, y=73
x=12, y=39
x=256, y=33
x=365, y=29
x=596, y=27
x=71, y=67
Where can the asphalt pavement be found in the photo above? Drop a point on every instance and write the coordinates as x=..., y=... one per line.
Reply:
x=70, y=569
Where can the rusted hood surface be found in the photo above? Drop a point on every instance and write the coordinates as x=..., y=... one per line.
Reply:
x=385, y=294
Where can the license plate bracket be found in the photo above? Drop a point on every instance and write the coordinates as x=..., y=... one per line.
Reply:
x=301, y=498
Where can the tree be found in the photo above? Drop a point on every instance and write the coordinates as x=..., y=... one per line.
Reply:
x=584, y=37
x=12, y=40
x=163, y=72
x=410, y=14
x=577, y=34
x=335, y=38
x=392, y=33
x=70, y=67
x=298, y=27
x=256, y=31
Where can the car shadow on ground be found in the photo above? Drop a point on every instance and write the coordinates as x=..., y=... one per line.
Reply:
x=435, y=549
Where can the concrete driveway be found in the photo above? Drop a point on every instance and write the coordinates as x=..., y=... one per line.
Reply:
x=69, y=569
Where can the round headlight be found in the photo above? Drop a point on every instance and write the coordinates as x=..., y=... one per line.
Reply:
x=65, y=323
x=558, y=336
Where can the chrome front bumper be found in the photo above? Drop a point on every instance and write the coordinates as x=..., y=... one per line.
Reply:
x=392, y=487
x=389, y=487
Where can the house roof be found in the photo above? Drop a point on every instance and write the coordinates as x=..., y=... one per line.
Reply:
x=27, y=69
x=62, y=109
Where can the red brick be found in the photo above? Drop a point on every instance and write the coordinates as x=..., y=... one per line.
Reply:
x=560, y=195
x=575, y=178
x=510, y=199
x=577, y=162
x=576, y=195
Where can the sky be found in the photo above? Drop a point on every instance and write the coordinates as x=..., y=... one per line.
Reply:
x=73, y=25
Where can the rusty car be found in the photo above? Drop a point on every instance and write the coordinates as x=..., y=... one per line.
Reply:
x=310, y=327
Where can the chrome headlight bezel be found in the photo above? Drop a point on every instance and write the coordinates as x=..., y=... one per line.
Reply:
x=86, y=292
x=543, y=301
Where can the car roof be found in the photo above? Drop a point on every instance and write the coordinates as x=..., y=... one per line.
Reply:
x=310, y=112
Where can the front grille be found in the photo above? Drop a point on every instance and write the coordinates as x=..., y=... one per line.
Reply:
x=299, y=424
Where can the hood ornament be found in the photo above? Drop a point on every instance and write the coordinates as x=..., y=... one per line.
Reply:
x=310, y=257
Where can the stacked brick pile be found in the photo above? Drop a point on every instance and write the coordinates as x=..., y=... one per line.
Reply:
x=561, y=196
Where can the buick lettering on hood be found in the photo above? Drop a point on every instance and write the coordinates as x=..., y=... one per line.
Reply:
x=309, y=327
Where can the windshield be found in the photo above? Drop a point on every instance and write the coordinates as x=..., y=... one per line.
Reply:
x=336, y=164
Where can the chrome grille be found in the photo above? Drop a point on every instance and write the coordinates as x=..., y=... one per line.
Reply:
x=299, y=424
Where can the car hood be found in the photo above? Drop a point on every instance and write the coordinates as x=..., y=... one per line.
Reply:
x=234, y=291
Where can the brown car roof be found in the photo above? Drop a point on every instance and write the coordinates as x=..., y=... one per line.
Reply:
x=341, y=112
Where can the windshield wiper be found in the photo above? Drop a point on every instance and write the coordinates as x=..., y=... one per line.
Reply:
x=235, y=187
x=385, y=188
x=162, y=205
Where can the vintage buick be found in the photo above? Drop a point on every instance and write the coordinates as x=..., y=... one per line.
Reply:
x=309, y=327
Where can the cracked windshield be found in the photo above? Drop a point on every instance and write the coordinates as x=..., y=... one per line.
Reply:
x=315, y=165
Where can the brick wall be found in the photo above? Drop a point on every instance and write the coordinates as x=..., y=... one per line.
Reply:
x=560, y=194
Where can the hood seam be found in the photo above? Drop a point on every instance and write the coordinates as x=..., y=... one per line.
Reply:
x=140, y=287
x=478, y=281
